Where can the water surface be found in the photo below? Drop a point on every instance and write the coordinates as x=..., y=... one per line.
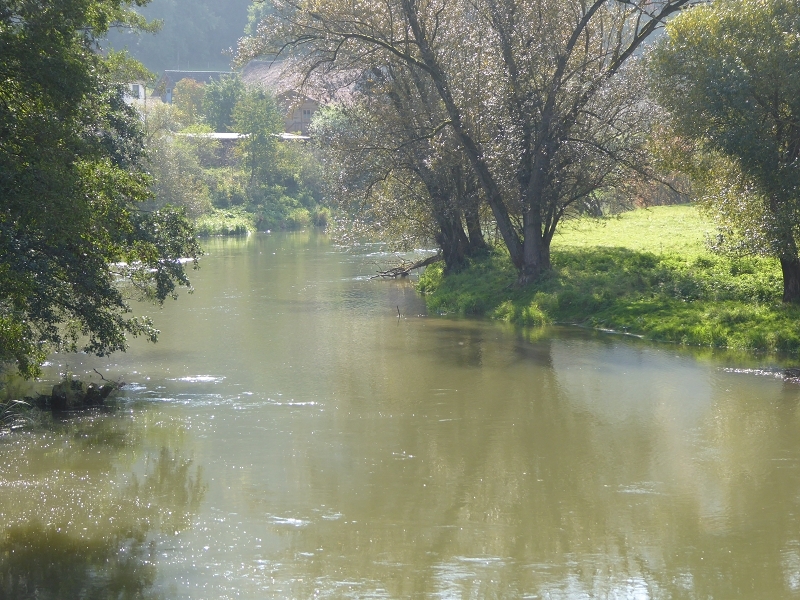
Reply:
x=291, y=437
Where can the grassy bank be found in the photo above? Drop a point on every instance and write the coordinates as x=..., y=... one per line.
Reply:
x=225, y=222
x=647, y=272
x=237, y=221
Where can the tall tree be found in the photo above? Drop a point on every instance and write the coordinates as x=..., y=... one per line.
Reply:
x=219, y=99
x=391, y=157
x=532, y=90
x=73, y=244
x=257, y=116
x=729, y=73
x=188, y=99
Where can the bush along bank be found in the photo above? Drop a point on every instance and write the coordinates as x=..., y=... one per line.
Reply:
x=683, y=294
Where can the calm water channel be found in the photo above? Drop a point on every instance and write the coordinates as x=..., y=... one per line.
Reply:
x=291, y=437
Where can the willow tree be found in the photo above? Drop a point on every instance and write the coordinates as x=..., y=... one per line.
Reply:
x=543, y=96
x=729, y=73
x=394, y=166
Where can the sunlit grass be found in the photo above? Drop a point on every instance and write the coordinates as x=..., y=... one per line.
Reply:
x=647, y=272
x=225, y=222
x=680, y=229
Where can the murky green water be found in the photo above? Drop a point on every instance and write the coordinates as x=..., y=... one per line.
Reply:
x=290, y=437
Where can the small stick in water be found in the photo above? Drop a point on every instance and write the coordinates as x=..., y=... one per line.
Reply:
x=398, y=312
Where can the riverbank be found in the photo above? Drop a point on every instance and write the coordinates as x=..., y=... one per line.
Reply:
x=647, y=272
x=238, y=221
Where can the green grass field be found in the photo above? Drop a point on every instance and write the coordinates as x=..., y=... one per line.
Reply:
x=646, y=272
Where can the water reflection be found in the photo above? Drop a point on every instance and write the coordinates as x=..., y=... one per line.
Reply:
x=347, y=452
x=84, y=507
x=42, y=563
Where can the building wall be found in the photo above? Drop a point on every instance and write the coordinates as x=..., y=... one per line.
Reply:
x=299, y=115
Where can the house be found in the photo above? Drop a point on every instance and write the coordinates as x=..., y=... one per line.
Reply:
x=136, y=92
x=297, y=108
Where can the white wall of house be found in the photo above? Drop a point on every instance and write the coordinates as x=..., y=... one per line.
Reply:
x=298, y=116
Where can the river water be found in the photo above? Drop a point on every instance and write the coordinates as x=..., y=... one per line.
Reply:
x=291, y=437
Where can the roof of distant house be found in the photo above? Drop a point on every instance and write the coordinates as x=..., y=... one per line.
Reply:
x=269, y=74
x=217, y=135
x=284, y=77
x=238, y=136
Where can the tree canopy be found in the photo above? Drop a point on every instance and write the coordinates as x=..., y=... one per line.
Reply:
x=729, y=73
x=75, y=245
x=541, y=96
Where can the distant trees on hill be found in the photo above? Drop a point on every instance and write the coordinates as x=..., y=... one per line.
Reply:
x=194, y=35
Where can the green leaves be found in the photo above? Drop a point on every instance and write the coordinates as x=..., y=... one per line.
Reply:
x=72, y=185
x=729, y=73
x=256, y=115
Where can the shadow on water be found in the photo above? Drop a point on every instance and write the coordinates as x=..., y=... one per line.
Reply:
x=86, y=504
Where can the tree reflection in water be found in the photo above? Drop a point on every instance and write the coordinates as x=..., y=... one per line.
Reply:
x=86, y=525
x=36, y=562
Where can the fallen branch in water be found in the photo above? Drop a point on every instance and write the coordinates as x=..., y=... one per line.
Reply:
x=406, y=266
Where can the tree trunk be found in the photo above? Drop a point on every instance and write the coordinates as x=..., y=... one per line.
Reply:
x=477, y=243
x=494, y=197
x=536, y=250
x=791, y=279
x=454, y=244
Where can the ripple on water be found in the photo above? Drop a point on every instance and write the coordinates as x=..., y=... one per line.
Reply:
x=276, y=520
x=788, y=375
x=199, y=379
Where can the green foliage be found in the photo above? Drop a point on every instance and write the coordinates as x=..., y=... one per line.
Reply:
x=72, y=184
x=256, y=115
x=220, y=98
x=729, y=72
x=178, y=177
x=622, y=274
x=277, y=183
x=123, y=68
x=233, y=221
x=188, y=101
x=256, y=13
x=228, y=186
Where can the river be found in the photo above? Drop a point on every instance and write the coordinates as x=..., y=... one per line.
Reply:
x=291, y=437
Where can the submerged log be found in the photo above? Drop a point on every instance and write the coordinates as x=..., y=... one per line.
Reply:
x=73, y=394
x=406, y=266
